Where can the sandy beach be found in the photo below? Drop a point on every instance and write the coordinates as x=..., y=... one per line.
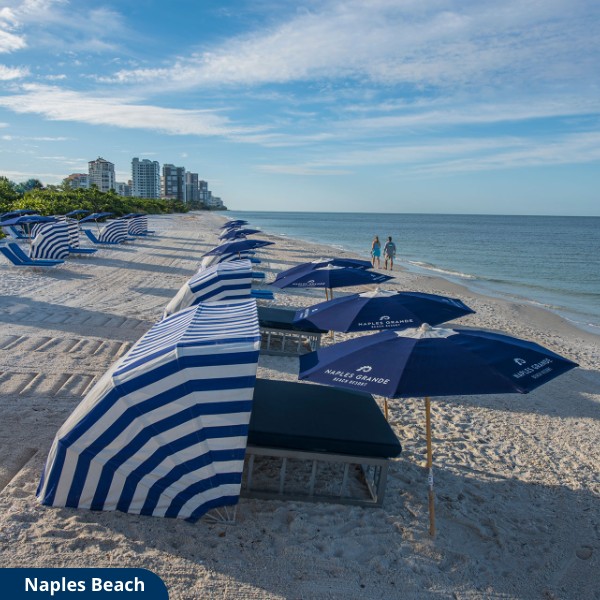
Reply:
x=517, y=476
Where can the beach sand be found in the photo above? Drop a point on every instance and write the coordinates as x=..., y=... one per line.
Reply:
x=517, y=476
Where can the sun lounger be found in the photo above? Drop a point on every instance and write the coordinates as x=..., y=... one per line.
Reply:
x=21, y=259
x=73, y=250
x=331, y=445
x=18, y=233
x=262, y=294
x=258, y=275
x=281, y=337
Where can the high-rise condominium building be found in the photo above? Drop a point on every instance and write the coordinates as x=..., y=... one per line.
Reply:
x=78, y=180
x=173, y=181
x=192, y=192
x=102, y=174
x=145, y=176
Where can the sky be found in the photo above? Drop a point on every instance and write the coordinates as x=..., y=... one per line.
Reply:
x=426, y=106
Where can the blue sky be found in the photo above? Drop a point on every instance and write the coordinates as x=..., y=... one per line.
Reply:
x=451, y=106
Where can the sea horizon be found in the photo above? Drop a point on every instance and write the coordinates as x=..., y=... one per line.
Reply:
x=551, y=261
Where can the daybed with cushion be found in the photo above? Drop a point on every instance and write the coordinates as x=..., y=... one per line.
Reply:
x=281, y=336
x=317, y=443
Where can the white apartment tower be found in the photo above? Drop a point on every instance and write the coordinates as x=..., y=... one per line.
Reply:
x=173, y=181
x=145, y=175
x=102, y=174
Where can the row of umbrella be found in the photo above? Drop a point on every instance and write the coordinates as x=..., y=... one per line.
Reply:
x=409, y=357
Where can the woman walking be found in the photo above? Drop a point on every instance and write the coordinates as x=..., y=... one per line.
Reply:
x=376, y=252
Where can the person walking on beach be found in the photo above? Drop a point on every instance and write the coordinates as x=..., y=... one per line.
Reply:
x=389, y=251
x=376, y=252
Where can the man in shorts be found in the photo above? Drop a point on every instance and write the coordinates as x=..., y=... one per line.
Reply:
x=389, y=251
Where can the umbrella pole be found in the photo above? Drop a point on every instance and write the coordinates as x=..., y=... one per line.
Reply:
x=385, y=408
x=430, y=467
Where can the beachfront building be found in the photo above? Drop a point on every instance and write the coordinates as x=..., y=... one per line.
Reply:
x=145, y=178
x=214, y=203
x=102, y=174
x=78, y=181
x=203, y=192
x=192, y=192
x=173, y=183
x=123, y=189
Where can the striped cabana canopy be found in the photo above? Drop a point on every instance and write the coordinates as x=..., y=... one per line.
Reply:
x=215, y=259
x=138, y=225
x=114, y=231
x=223, y=281
x=51, y=240
x=164, y=431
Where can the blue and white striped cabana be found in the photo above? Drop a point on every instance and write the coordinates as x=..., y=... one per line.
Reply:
x=164, y=431
x=51, y=241
x=215, y=259
x=114, y=231
x=138, y=225
x=230, y=280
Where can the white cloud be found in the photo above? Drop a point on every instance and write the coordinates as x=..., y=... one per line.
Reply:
x=443, y=155
x=9, y=73
x=441, y=43
x=64, y=105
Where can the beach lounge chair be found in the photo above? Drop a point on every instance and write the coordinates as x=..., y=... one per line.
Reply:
x=17, y=233
x=18, y=258
x=332, y=445
x=262, y=294
x=280, y=336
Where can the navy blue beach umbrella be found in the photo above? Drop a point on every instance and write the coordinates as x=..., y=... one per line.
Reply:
x=16, y=213
x=27, y=220
x=96, y=216
x=382, y=309
x=329, y=277
x=429, y=361
x=354, y=263
x=238, y=246
x=233, y=233
x=77, y=212
x=234, y=223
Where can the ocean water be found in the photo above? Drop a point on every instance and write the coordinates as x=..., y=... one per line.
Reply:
x=549, y=261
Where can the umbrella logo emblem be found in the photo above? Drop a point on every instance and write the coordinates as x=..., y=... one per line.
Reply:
x=520, y=361
x=384, y=318
x=365, y=369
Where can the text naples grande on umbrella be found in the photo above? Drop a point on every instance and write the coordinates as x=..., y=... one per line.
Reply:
x=381, y=309
x=429, y=361
x=329, y=277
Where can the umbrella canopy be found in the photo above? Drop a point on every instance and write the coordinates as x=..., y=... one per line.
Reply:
x=237, y=246
x=329, y=277
x=230, y=233
x=382, y=309
x=95, y=216
x=16, y=213
x=434, y=362
x=234, y=223
x=163, y=432
x=27, y=220
x=78, y=211
x=323, y=262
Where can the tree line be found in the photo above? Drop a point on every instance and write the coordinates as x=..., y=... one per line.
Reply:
x=61, y=199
